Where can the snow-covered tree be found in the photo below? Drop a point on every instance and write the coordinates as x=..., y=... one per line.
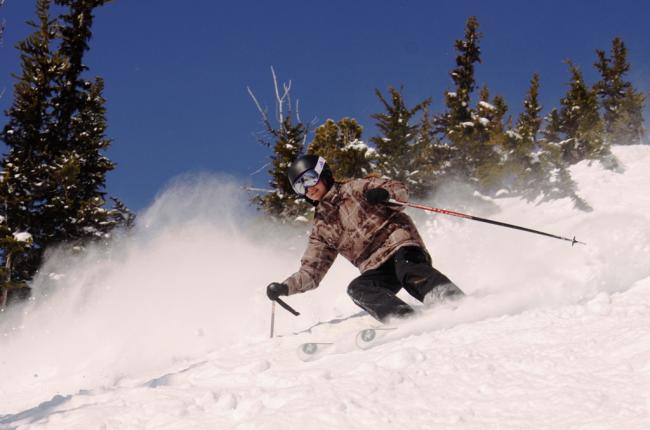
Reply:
x=623, y=105
x=581, y=124
x=341, y=145
x=430, y=159
x=557, y=181
x=287, y=136
x=523, y=161
x=53, y=177
x=475, y=134
x=398, y=133
x=490, y=141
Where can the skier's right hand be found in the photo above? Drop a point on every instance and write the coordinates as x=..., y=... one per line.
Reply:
x=276, y=289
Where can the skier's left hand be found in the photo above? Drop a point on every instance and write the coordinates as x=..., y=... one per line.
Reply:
x=276, y=289
x=375, y=196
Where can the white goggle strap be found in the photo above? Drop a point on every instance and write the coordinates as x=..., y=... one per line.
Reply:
x=320, y=165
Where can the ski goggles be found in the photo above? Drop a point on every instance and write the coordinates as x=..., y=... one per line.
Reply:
x=308, y=178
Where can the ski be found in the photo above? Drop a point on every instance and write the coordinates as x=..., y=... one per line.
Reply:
x=369, y=337
x=311, y=351
x=364, y=339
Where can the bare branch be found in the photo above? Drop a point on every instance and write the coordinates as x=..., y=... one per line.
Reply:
x=259, y=190
x=287, y=91
x=298, y=110
x=265, y=118
x=280, y=99
x=283, y=106
x=260, y=169
x=257, y=103
x=278, y=105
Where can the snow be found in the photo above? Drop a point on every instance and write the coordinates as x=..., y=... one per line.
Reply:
x=358, y=145
x=486, y=105
x=171, y=332
x=514, y=135
x=22, y=236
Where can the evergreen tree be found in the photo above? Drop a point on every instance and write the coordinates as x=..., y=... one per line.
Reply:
x=287, y=139
x=623, y=105
x=474, y=134
x=581, y=123
x=283, y=204
x=25, y=168
x=557, y=183
x=53, y=177
x=489, y=149
x=430, y=157
x=524, y=157
x=395, y=150
x=341, y=145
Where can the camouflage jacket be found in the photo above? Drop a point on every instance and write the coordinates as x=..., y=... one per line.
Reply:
x=345, y=223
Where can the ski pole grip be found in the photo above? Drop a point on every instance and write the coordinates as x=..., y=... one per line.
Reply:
x=287, y=307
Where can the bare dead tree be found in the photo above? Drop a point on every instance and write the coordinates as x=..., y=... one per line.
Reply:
x=283, y=109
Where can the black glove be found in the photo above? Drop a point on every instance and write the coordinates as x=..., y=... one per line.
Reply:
x=375, y=196
x=276, y=289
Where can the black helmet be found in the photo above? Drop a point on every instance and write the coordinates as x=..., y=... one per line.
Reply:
x=306, y=170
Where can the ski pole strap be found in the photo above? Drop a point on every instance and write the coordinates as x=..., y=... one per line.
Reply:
x=287, y=307
x=485, y=220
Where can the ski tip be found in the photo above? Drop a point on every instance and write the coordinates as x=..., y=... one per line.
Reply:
x=312, y=350
x=365, y=338
x=309, y=348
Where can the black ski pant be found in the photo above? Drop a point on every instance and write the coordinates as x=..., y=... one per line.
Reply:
x=409, y=268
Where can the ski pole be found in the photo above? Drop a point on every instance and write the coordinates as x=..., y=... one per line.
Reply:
x=272, y=318
x=287, y=307
x=284, y=305
x=475, y=218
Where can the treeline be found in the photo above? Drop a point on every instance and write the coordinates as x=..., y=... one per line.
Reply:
x=53, y=175
x=474, y=141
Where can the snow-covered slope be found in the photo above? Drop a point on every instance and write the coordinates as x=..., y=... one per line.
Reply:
x=171, y=332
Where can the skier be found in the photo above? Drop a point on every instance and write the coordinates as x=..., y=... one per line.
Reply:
x=355, y=219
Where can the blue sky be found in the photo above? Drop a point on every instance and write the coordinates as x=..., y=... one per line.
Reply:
x=176, y=72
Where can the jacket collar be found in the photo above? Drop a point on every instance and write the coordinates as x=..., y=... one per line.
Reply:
x=331, y=197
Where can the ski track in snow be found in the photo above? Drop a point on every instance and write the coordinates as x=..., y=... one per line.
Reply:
x=551, y=337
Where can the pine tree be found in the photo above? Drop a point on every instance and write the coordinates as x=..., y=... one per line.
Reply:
x=623, y=106
x=430, y=157
x=490, y=146
x=461, y=126
x=341, y=145
x=25, y=168
x=557, y=183
x=394, y=145
x=524, y=158
x=287, y=138
x=581, y=123
x=53, y=177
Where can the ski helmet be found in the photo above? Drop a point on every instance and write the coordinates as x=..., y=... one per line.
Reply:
x=306, y=171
